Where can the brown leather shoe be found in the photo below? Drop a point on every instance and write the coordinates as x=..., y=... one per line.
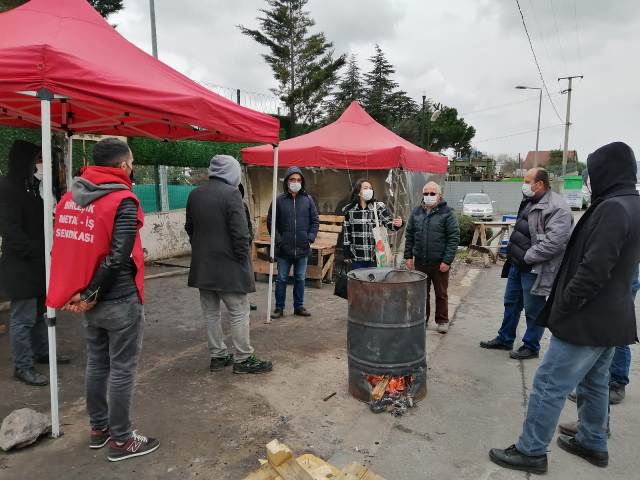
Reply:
x=277, y=313
x=301, y=312
x=570, y=429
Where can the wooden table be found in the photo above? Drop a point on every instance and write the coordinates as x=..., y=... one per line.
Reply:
x=480, y=245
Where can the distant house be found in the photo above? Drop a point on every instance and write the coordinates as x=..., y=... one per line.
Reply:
x=544, y=156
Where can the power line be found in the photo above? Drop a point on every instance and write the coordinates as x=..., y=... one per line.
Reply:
x=555, y=21
x=518, y=133
x=539, y=30
x=502, y=105
x=535, y=58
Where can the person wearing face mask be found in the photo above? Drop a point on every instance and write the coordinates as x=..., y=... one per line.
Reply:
x=534, y=253
x=431, y=242
x=97, y=268
x=297, y=225
x=590, y=311
x=22, y=263
x=359, y=220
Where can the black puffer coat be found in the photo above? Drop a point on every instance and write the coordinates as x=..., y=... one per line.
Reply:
x=591, y=302
x=297, y=221
x=432, y=238
x=22, y=268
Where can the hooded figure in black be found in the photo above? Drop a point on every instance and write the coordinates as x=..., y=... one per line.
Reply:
x=589, y=312
x=22, y=266
x=591, y=302
x=297, y=225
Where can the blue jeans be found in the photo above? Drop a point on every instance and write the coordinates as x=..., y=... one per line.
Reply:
x=299, y=273
x=517, y=296
x=621, y=362
x=355, y=265
x=566, y=366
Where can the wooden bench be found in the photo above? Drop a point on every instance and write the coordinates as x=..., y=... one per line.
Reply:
x=322, y=259
x=486, y=247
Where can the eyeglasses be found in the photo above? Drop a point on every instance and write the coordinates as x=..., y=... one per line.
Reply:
x=430, y=194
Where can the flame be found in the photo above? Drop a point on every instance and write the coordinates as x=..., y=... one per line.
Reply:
x=395, y=385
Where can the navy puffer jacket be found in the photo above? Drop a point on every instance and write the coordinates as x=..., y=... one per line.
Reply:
x=297, y=221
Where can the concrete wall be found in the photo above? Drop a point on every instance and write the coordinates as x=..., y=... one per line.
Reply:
x=163, y=235
x=506, y=195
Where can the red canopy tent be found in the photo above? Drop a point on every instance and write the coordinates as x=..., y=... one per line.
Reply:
x=356, y=142
x=62, y=66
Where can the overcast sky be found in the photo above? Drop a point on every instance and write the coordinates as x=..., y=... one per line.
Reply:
x=468, y=54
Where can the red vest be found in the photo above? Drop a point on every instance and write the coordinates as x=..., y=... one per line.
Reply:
x=82, y=238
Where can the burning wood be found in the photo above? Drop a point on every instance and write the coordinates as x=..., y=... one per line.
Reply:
x=391, y=394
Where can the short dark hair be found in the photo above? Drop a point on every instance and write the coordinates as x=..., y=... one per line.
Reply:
x=109, y=152
x=543, y=176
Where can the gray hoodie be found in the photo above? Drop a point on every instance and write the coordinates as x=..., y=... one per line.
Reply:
x=84, y=192
x=226, y=168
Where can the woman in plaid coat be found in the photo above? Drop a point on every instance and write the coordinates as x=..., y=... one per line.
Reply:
x=359, y=221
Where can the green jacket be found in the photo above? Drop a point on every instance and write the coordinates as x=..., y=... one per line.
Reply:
x=432, y=238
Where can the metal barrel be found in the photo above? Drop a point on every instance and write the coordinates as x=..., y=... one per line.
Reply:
x=386, y=328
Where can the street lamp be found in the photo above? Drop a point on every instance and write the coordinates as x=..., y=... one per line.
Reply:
x=521, y=87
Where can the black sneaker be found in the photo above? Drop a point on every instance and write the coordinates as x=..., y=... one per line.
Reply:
x=31, y=377
x=99, y=437
x=524, y=353
x=136, y=446
x=495, y=345
x=218, y=363
x=616, y=393
x=569, y=444
x=253, y=365
x=277, y=313
x=253, y=307
x=513, y=459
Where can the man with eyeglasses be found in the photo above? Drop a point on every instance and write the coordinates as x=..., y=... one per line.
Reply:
x=431, y=242
x=535, y=251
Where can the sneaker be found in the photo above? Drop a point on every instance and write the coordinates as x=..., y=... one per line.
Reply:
x=277, y=313
x=253, y=307
x=524, y=353
x=31, y=377
x=218, y=363
x=443, y=327
x=253, y=365
x=495, y=344
x=136, y=446
x=616, y=393
x=99, y=437
x=301, y=312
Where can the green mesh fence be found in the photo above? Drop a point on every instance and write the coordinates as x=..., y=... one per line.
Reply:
x=147, y=194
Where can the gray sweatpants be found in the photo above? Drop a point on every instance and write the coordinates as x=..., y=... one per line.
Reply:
x=28, y=331
x=238, y=306
x=114, y=340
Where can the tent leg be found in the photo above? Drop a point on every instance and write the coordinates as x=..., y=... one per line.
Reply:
x=69, y=164
x=272, y=252
x=47, y=188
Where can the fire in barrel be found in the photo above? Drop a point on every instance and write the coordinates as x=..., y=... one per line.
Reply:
x=386, y=338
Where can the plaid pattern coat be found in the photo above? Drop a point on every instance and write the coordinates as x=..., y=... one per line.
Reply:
x=358, y=243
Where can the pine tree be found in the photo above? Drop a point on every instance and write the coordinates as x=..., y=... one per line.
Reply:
x=379, y=87
x=302, y=63
x=104, y=7
x=349, y=89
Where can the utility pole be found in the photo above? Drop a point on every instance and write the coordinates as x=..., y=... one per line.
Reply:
x=422, y=121
x=162, y=198
x=565, y=152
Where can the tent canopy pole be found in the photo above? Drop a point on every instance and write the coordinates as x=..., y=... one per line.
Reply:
x=46, y=97
x=272, y=248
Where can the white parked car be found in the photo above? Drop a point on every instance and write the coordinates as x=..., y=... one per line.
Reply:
x=478, y=206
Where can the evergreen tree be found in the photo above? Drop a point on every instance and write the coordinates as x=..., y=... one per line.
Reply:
x=302, y=63
x=349, y=89
x=104, y=7
x=379, y=87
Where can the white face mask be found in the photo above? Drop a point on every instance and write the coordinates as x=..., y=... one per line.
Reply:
x=430, y=200
x=367, y=194
x=527, y=191
x=295, y=187
x=39, y=172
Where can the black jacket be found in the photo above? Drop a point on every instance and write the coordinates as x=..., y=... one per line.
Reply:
x=432, y=238
x=520, y=239
x=22, y=268
x=220, y=240
x=297, y=221
x=591, y=303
